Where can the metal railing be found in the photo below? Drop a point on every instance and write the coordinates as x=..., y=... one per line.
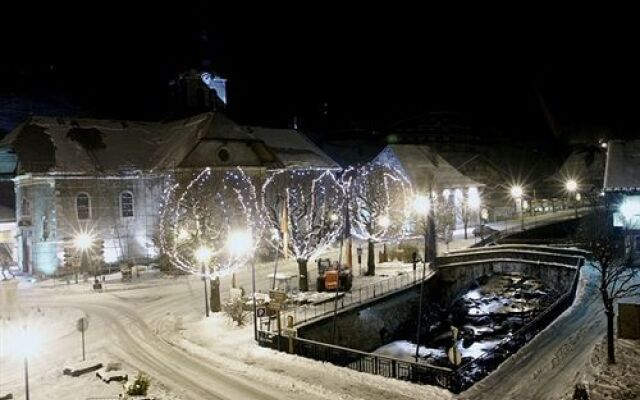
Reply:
x=360, y=361
x=356, y=296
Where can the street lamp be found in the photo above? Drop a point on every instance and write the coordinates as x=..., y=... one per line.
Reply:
x=203, y=254
x=83, y=242
x=422, y=207
x=238, y=243
x=25, y=342
x=572, y=187
x=517, y=194
x=384, y=221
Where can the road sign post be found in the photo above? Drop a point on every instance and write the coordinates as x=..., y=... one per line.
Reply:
x=82, y=325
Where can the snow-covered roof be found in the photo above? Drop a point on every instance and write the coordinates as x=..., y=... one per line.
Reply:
x=293, y=148
x=622, y=171
x=424, y=166
x=89, y=146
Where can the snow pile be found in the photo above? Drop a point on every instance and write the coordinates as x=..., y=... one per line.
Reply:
x=233, y=349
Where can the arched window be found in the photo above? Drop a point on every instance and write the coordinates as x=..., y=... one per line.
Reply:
x=83, y=206
x=126, y=204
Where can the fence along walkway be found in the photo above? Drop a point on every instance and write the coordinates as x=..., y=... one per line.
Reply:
x=356, y=296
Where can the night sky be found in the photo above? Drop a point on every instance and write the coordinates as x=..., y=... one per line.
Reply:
x=370, y=73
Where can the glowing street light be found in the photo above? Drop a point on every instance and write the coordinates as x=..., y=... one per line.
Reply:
x=572, y=187
x=203, y=255
x=25, y=342
x=421, y=204
x=239, y=242
x=82, y=241
x=384, y=221
x=517, y=194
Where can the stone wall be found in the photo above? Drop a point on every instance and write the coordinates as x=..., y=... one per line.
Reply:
x=369, y=326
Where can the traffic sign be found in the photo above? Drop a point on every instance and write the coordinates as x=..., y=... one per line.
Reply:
x=278, y=296
x=83, y=324
x=261, y=311
x=291, y=332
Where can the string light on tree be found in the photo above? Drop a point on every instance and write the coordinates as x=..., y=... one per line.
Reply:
x=379, y=205
x=305, y=207
x=205, y=217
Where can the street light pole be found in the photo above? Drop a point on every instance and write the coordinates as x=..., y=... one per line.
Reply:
x=26, y=377
x=422, y=206
x=253, y=295
x=206, y=300
x=424, y=273
x=521, y=214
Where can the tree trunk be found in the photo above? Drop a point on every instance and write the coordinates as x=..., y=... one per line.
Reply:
x=214, y=297
x=371, y=259
x=303, y=279
x=465, y=232
x=611, y=351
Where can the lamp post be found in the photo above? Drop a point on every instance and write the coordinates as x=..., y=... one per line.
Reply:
x=517, y=194
x=421, y=206
x=572, y=187
x=203, y=254
x=384, y=221
x=238, y=243
x=25, y=342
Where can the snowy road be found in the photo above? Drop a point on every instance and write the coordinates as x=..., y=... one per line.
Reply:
x=546, y=367
x=130, y=338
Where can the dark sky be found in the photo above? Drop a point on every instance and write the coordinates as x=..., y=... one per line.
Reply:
x=371, y=72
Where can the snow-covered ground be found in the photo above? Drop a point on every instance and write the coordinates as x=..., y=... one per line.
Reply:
x=155, y=324
x=618, y=381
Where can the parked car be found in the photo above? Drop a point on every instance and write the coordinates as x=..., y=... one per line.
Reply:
x=483, y=231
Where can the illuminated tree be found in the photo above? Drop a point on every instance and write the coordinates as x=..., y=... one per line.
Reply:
x=379, y=205
x=210, y=225
x=305, y=207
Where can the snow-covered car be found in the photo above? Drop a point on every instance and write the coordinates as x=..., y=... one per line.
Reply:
x=484, y=231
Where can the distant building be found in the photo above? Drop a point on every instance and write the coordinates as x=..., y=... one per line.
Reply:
x=428, y=171
x=108, y=177
x=622, y=185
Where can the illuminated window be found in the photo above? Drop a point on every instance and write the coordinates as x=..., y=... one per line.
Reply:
x=83, y=206
x=126, y=204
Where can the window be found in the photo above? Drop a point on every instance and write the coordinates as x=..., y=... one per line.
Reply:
x=25, y=208
x=224, y=155
x=83, y=206
x=126, y=204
